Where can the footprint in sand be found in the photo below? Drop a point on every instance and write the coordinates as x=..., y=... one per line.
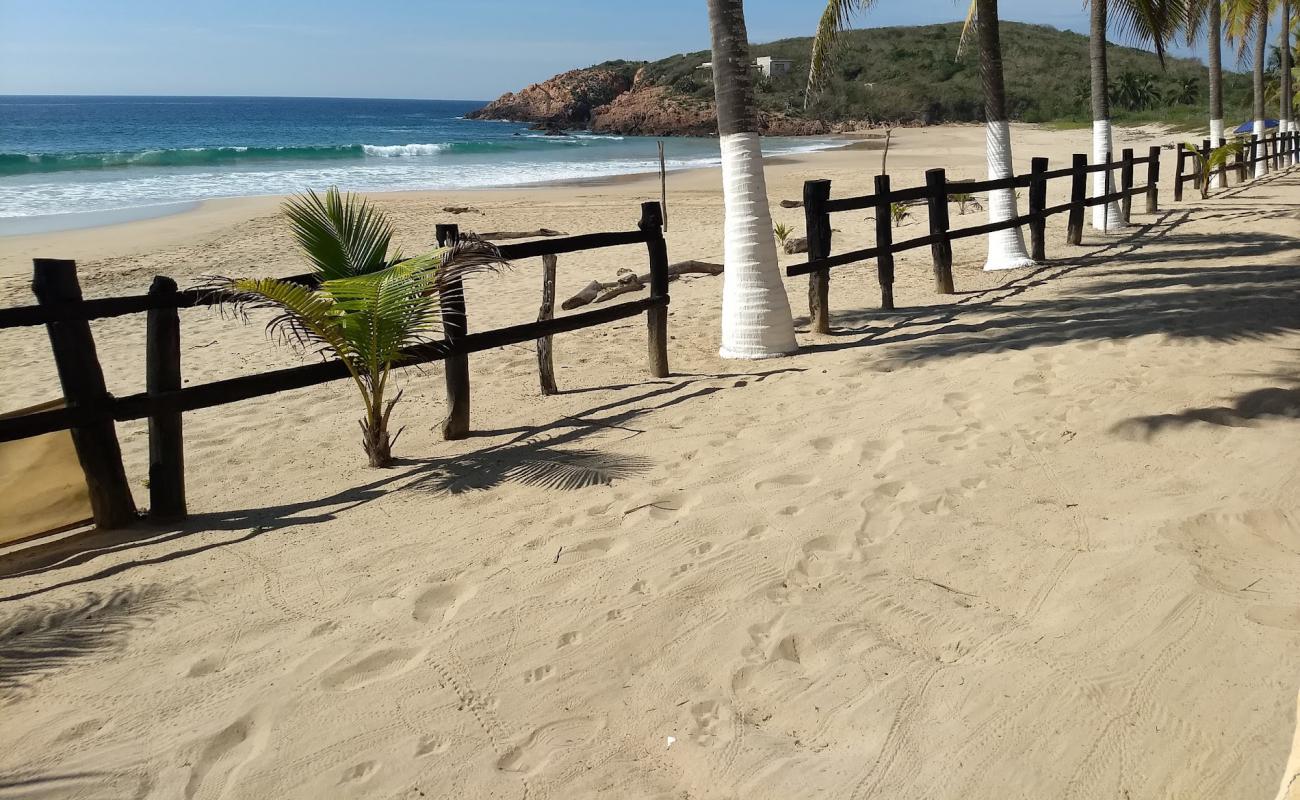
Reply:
x=359, y=773
x=711, y=720
x=789, y=481
x=568, y=639
x=205, y=666
x=219, y=760
x=381, y=665
x=1284, y=617
x=439, y=604
x=431, y=745
x=550, y=742
x=540, y=674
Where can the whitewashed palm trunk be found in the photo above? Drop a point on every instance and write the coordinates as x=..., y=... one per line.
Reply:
x=1104, y=217
x=1261, y=166
x=756, y=321
x=1214, y=38
x=1006, y=247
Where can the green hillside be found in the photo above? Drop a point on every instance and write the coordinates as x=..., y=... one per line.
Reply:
x=913, y=73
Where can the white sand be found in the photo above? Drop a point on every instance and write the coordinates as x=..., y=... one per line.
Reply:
x=1040, y=539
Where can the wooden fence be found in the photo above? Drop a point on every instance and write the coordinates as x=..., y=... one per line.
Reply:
x=90, y=411
x=818, y=206
x=1272, y=148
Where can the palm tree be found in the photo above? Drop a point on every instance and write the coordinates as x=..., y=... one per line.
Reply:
x=1209, y=13
x=756, y=321
x=367, y=307
x=1247, y=24
x=1006, y=247
x=1147, y=21
x=1284, y=73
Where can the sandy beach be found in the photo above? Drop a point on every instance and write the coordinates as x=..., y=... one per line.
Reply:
x=1038, y=539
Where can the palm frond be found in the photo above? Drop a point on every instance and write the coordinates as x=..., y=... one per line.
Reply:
x=307, y=320
x=834, y=21
x=1243, y=20
x=340, y=234
x=972, y=18
x=1148, y=22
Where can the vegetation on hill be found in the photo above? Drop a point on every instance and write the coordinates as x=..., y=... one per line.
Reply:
x=913, y=73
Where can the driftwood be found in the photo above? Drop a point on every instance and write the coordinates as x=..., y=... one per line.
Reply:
x=545, y=365
x=628, y=281
x=498, y=235
x=796, y=244
x=461, y=210
x=791, y=204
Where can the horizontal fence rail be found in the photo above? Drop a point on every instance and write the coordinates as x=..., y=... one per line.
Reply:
x=91, y=411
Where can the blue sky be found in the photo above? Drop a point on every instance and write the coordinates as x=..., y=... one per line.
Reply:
x=450, y=49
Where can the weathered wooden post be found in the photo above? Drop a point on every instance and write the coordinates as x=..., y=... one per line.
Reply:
x=1153, y=179
x=55, y=284
x=936, y=184
x=1254, y=155
x=1178, y=173
x=1037, y=204
x=1240, y=164
x=545, y=364
x=656, y=318
x=1078, y=195
x=455, y=325
x=884, y=243
x=162, y=369
x=1223, y=166
x=817, y=227
x=1203, y=165
x=1126, y=184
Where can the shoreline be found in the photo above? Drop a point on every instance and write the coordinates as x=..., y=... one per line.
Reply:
x=38, y=224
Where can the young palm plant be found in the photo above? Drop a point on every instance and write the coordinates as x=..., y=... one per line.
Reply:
x=1210, y=165
x=367, y=308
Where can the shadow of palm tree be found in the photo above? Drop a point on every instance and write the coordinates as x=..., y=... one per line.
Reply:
x=47, y=637
x=1270, y=403
x=536, y=463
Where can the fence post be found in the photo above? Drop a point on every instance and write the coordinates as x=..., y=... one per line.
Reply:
x=162, y=369
x=1153, y=179
x=545, y=364
x=1178, y=174
x=657, y=317
x=1126, y=184
x=1037, y=203
x=1078, y=194
x=817, y=227
x=936, y=182
x=884, y=243
x=1254, y=156
x=451, y=297
x=55, y=285
x=1223, y=166
x=1240, y=166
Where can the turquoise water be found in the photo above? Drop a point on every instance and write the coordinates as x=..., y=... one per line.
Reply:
x=71, y=155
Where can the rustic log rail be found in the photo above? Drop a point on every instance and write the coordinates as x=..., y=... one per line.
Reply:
x=1271, y=148
x=819, y=205
x=91, y=410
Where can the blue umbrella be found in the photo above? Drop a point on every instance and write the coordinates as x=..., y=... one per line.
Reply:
x=1247, y=127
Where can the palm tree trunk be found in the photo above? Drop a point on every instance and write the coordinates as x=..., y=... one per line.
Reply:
x=1284, y=78
x=756, y=320
x=1006, y=247
x=1215, y=57
x=1261, y=44
x=1104, y=217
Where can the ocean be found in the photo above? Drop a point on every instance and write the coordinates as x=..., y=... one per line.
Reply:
x=69, y=161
